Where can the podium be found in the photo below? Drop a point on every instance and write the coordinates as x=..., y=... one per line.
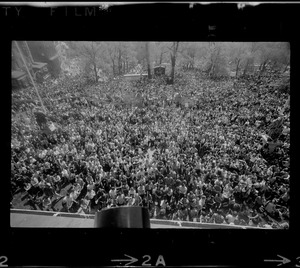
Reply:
x=122, y=217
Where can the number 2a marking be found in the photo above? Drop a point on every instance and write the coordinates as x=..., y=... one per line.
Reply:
x=2, y=262
x=145, y=263
x=160, y=261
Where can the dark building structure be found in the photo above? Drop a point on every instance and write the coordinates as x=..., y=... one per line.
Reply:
x=44, y=51
x=41, y=59
x=159, y=70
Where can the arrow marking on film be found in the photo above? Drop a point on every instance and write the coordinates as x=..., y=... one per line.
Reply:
x=130, y=261
x=283, y=261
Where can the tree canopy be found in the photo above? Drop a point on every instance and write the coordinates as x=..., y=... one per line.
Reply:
x=216, y=59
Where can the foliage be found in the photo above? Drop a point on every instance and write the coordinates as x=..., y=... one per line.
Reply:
x=122, y=57
x=98, y=61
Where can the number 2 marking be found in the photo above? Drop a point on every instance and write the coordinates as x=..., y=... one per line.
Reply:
x=145, y=263
x=298, y=260
x=2, y=263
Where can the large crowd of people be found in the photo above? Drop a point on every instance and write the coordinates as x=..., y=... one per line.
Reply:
x=192, y=151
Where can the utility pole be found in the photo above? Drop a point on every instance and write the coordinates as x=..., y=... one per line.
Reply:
x=148, y=60
x=28, y=51
x=30, y=76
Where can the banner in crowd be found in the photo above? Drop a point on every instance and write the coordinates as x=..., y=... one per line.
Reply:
x=271, y=143
x=276, y=128
x=40, y=118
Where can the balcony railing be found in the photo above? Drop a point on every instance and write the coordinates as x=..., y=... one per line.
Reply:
x=37, y=218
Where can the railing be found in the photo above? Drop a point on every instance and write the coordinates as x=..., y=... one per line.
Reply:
x=52, y=213
x=134, y=76
x=184, y=224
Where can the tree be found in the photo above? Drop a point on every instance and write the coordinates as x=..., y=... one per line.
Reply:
x=143, y=55
x=159, y=51
x=92, y=54
x=276, y=55
x=122, y=56
x=217, y=60
x=237, y=52
x=148, y=59
x=188, y=55
x=112, y=52
x=173, y=54
x=242, y=56
x=285, y=55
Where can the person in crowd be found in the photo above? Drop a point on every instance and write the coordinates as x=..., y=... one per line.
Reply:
x=68, y=201
x=120, y=199
x=206, y=163
x=230, y=217
x=84, y=206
